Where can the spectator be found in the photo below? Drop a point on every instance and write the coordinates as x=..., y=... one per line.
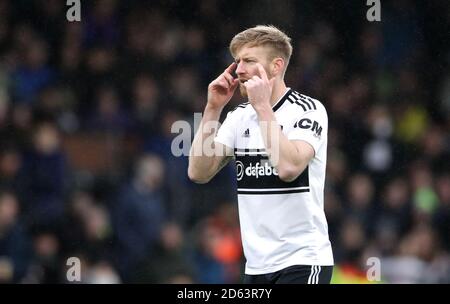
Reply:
x=394, y=218
x=34, y=74
x=10, y=165
x=145, y=105
x=44, y=177
x=360, y=196
x=170, y=251
x=14, y=241
x=140, y=214
x=45, y=266
x=108, y=115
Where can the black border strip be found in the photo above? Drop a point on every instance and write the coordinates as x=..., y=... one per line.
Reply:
x=248, y=150
x=282, y=100
x=273, y=191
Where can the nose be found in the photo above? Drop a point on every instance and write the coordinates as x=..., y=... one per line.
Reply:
x=240, y=68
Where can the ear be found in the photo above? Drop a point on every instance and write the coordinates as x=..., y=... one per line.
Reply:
x=277, y=66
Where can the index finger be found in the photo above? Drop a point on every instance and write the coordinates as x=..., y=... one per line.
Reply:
x=231, y=68
x=262, y=72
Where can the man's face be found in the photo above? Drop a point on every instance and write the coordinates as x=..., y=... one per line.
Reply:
x=246, y=59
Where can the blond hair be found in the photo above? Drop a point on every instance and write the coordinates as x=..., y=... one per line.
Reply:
x=264, y=35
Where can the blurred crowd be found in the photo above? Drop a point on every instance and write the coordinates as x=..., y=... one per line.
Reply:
x=86, y=110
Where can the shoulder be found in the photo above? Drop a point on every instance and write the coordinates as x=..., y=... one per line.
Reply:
x=239, y=108
x=236, y=114
x=304, y=112
x=238, y=111
x=304, y=102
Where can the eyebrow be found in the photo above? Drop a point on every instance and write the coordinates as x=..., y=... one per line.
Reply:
x=245, y=57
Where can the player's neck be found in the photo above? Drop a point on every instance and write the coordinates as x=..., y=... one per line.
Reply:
x=279, y=90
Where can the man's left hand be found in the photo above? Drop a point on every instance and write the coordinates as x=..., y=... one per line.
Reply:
x=259, y=89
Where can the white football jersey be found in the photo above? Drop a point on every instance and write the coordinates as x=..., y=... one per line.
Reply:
x=282, y=223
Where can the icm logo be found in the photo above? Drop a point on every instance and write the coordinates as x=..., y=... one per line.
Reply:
x=306, y=123
x=239, y=170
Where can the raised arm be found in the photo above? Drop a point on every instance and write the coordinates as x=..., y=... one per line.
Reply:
x=290, y=158
x=207, y=157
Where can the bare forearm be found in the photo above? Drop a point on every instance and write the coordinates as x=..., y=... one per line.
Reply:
x=201, y=158
x=283, y=154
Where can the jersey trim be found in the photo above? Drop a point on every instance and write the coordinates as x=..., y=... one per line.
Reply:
x=305, y=102
x=272, y=191
x=282, y=100
x=242, y=105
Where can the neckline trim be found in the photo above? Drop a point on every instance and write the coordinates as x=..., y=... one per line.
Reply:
x=282, y=100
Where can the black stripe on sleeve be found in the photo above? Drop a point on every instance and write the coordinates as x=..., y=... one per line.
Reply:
x=310, y=100
x=303, y=100
x=293, y=100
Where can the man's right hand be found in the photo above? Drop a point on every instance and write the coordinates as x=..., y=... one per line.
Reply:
x=222, y=88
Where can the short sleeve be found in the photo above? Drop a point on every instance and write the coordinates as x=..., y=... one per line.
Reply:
x=226, y=134
x=311, y=127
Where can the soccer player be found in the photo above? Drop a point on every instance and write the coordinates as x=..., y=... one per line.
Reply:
x=279, y=141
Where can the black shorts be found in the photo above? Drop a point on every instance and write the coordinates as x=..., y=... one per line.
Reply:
x=297, y=274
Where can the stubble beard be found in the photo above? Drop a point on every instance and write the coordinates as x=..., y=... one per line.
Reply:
x=243, y=90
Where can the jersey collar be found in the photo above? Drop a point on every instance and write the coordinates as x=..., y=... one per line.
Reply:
x=281, y=101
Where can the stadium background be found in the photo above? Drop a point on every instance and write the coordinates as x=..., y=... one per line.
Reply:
x=86, y=108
